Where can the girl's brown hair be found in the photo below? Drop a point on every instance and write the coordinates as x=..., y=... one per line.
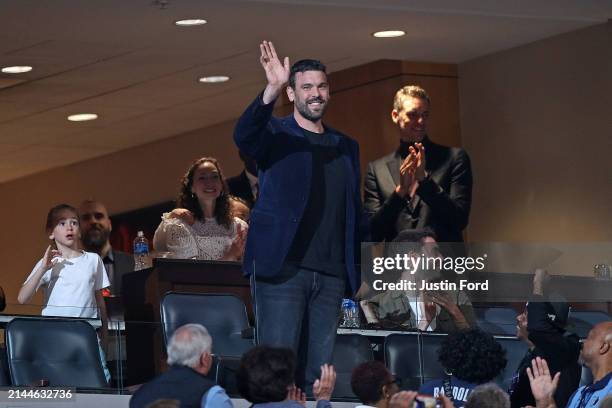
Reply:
x=54, y=215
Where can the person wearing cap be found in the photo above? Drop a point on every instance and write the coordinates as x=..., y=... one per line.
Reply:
x=542, y=327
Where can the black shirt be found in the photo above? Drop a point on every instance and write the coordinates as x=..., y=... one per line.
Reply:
x=319, y=242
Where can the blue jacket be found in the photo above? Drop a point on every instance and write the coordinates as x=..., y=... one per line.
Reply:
x=285, y=169
x=589, y=396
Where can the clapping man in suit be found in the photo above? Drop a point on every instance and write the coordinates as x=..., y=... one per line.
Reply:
x=421, y=184
x=303, y=236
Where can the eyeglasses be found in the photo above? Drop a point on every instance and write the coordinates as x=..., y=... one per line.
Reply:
x=395, y=380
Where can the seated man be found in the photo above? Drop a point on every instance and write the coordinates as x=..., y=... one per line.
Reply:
x=427, y=310
x=373, y=384
x=189, y=359
x=267, y=375
x=597, y=355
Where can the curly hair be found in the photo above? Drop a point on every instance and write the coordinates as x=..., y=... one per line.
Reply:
x=472, y=355
x=368, y=379
x=186, y=199
x=265, y=374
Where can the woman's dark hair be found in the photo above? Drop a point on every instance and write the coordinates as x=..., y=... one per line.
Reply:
x=266, y=374
x=54, y=215
x=472, y=355
x=186, y=199
x=367, y=381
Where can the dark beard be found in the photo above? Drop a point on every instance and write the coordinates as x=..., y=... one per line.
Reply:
x=307, y=113
x=95, y=242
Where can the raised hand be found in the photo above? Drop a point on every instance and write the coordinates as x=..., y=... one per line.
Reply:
x=49, y=256
x=403, y=399
x=543, y=387
x=183, y=214
x=296, y=394
x=324, y=387
x=541, y=278
x=277, y=73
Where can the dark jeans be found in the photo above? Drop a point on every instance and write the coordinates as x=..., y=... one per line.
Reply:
x=299, y=312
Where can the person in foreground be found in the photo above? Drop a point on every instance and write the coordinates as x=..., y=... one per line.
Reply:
x=303, y=231
x=190, y=360
x=542, y=327
x=266, y=378
x=596, y=354
x=470, y=357
x=373, y=384
x=203, y=225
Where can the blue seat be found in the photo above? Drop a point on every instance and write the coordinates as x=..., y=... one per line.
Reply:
x=496, y=320
x=413, y=358
x=350, y=350
x=581, y=321
x=515, y=351
x=64, y=352
x=223, y=315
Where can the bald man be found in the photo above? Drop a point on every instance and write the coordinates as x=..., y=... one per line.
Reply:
x=597, y=355
x=96, y=227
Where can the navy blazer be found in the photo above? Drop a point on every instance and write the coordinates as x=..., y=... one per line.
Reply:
x=285, y=170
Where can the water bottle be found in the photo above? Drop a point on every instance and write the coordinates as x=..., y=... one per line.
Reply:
x=350, y=314
x=141, y=251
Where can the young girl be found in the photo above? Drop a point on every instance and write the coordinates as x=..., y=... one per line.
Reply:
x=72, y=279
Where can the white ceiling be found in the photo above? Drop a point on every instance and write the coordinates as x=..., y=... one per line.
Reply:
x=126, y=61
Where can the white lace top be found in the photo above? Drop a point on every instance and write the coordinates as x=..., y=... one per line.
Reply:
x=203, y=240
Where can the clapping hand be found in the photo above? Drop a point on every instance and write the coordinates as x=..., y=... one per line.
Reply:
x=183, y=214
x=543, y=386
x=296, y=394
x=407, y=175
x=403, y=399
x=236, y=249
x=419, y=151
x=277, y=73
x=324, y=386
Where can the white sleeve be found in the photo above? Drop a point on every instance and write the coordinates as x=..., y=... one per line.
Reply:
x=101, y=279
x=238, y=221
x=174, y=236
x=45, y=278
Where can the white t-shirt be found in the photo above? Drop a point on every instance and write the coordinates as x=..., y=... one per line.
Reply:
x=70, y=285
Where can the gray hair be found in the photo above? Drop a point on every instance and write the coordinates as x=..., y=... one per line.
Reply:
x=488, y=395
x=187, y=345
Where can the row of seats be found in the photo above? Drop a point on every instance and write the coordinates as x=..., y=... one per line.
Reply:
x=66, y=353
x=502, y=320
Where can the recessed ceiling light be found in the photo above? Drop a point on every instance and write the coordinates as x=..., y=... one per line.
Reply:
x=214, y=79
x=82, y=117
x=190, y=22
x=389, y=34
x=17, y=69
